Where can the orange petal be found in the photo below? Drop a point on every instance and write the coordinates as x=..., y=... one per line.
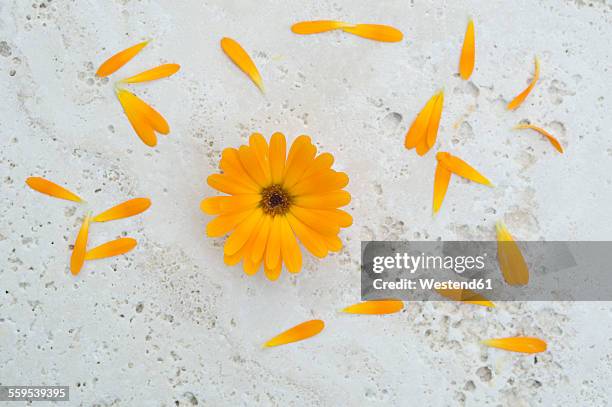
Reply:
x=80, y=247
x=441, y=180
x=273, y=248
x=278, y=151
x=434, y=122
x=118, y=60
x=468, y=52
x=309, y=238
x=143, y=111
x=139, y=122
x=511, y=261
x=162, y=71
x=375, y=32
x=333, y=199
x=467, y=296
x=315, y=27
x=243, y=232
x=124, y=210
x=418, y=130
x=522, y=344
x=297, y=333
x=111, y=249
x=290, y=250
x=543, y=132
x=44, y=186
x=517, y=101
x=274, y=273
x=461, y=168
x=225, y=223
x=239, y=56
x=375, y=307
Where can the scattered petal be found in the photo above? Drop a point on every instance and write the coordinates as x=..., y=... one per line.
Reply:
x=375, y=307
x=297, y=333
x=315, y=27
x=543, y=132
x=518, y=100
x=80, y=247
x=441, y=181
x=162, y=71
x=376, y=32
x=424, y=129
x=144, y=119
x=468, y=52
x=44, y=186
x=461, y=168
x=522, y=344
x=511, y=261
x=124, y=210
x=118, y=60
x=467, y=296
x=240, y=57
x=111, y=249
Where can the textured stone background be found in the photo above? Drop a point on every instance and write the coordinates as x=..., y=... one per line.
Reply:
x=170, y=324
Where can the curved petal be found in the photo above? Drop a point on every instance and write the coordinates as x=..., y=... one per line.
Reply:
x=457, y=166
x=441, y=180
x=110, y=249
x=376, y=32
x=161, y=71
x=80, y=247
x=44, y=186
x=243, y=232
x=520, y=98
x=119, y=59
x=239, y=56
x=297, y=333
x=125, y=209
x=468, y=52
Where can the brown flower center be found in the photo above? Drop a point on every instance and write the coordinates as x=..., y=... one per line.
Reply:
x=275, y=200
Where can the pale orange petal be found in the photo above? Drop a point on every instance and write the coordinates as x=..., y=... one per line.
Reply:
x=518, y=100
x=522, y=344
x=375, y=307
x=44, y=186
x=315, y=27
x=119, y=59
x=297, y=333
x=461, y=168
x=80, y=247
x=162, y=71
x=468, y=52
x=240, y=57
x=441, y=180
x=511, y=261
x=376, y=32
x=112, y=248
x=124, y=210
x=543, y=132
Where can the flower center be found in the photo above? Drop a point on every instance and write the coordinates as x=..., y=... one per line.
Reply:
x=275, y=200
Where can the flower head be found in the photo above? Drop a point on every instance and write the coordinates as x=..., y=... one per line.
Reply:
x=275, y=199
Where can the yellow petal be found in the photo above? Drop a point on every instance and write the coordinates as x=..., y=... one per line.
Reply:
x=216, y=205
x=511, y=261
x=229, y=185
x=467, y=296
x=112, y=248
x=522, y=344
x=243, y=232
x=323, y=181
x=434, y=122
x=375, y=307
x=297, y=333
x=44, y=186
x=139, y=122
x=118, y=60
x=321, y=163
x=461, y=168
x=261, y=240
x=468, y=52
x=225, y=223
x=290, y=250
x=315, y=27
x=343, y=219
x=316, y=219
x=334, y=199
x=231, y=165
x=162, y=71
x=259, y=145
x=80, y=247
x=518, y=100
x=418, y=130
x=309, y=238
x=441, y=180
x=278, y=146
x=124, y=210
x=375, y=32
x=274, y=273
x=251, y=164
x=333, y=242
x=273, y=248
x=142, y=109
x=301, y=156
x=239, y=56
x=543, y=132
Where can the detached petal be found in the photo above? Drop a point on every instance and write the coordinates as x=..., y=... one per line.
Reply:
x=518, y=100
x=124, y=210
x=44, y=186
x=511, y=261
x=121, y=58
x=375, y=32
x=240, y=57
x=111, y=249
x=80, y=247
x=468, y=52
x=162, y=71
x=441, y=180
x=297, y=333
x=417, y=134
x=140, y=124
x=543, y=132
x=522, y=344
x=375, y=307
x=151, y=115
x=315, y=27
x=467, y=296
x=457, y=166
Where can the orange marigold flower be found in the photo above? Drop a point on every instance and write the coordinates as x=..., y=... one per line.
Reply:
x=273, y=199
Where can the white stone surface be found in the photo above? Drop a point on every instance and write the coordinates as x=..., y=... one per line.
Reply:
x=170, y=324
